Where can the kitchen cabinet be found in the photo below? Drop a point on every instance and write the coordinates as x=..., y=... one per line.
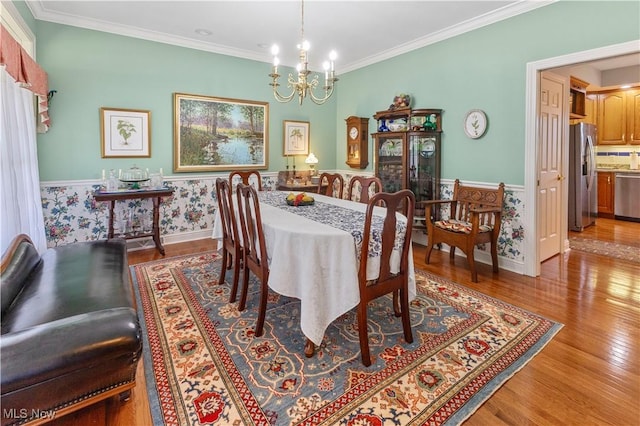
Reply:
x=577, y=98
x=606, y=191
x=590, y=111
x=619, y=117
x=409, y=156
x=633, y=116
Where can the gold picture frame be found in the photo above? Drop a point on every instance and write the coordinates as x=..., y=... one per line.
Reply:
x=217, y=134
x=125, y=133
x=296, y=137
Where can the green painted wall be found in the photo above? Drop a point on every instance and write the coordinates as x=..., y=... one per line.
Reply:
x=92, y=69
x=481, y=69
x=485, y=69
x=24, y=11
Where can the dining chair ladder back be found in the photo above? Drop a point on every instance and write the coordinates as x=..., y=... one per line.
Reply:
x=231, y=247
x=388, y=281
x=475, y=217
x=363, y=187
x=335, y=184
x=245, y=177
x=255, y=251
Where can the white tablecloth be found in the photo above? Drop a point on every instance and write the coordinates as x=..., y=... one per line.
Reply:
x=313, y=262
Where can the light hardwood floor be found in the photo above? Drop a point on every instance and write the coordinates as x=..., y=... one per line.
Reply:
x=589, y=374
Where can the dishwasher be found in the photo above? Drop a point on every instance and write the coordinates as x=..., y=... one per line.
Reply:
x=627, y=197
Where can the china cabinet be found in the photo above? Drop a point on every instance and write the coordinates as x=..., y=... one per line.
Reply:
x=409, y=156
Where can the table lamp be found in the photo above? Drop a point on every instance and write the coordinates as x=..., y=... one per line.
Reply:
x=311, y=160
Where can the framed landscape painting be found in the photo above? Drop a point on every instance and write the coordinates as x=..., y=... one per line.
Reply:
x=296, y=137
x=125, y=132
x=218, y=134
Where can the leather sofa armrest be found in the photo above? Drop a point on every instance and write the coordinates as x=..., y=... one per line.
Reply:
x=36, y=354
x=18, y=262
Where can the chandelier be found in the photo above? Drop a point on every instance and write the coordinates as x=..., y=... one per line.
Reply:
x=303, y=85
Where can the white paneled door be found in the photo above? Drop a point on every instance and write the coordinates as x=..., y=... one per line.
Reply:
x=550, y=132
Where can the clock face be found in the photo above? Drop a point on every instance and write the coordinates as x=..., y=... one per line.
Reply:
x=353, y=132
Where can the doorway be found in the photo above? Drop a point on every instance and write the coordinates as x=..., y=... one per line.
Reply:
x=532, y=166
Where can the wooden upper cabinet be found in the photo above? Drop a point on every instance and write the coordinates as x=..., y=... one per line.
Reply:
x=577, y=98
x=633, y=116
x=612, y=118
x=591, y=110
x=619, y=117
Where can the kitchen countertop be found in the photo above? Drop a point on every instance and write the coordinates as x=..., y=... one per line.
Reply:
x=616, y=170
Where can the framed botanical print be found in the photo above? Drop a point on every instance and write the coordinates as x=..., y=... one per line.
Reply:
x=296, y=137
x=125, y=132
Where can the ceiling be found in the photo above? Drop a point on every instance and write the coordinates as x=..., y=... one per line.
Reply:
x=362, y=32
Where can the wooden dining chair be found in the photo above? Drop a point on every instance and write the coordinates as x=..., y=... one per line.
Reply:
x=333, y=180
x=246, y=178
x=362, y=187
x=388, y=281
x=231, y=247
x=475, y=217
x=254, y=249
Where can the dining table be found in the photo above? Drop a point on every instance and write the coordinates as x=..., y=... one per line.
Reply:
x=313, y=253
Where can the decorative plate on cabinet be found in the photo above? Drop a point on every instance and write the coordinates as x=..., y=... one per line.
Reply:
x=475, y=123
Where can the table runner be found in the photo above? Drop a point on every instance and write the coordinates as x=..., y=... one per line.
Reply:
x=345, y=219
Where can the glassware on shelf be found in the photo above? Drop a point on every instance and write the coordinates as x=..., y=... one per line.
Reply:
x=146, y=224
x=122, y=224
x=135, y=223
x=133, y=177
x=156, y=181
x=112, y=183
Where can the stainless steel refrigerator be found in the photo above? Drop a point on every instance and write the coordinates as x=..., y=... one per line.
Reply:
x=583, y=193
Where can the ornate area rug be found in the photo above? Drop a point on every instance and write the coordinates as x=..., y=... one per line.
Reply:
x=606, y=248
x=205, y=366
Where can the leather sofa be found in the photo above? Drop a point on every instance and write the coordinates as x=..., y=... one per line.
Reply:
x=70, y=333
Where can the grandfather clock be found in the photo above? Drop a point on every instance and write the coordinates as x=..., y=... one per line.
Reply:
x=357, y=142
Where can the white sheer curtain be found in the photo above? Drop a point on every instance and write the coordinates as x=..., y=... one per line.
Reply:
x=20, y=201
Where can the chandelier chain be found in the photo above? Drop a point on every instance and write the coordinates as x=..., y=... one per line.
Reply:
x=302, y=22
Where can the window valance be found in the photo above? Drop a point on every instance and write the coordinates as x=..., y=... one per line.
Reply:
x=27, y=72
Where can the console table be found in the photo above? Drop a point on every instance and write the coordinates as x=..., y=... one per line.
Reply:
x=296, y=181
x=155, y=194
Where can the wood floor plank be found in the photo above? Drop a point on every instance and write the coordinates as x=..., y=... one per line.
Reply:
x=589, y=374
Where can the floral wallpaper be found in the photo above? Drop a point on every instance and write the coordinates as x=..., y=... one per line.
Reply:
x=71, y=214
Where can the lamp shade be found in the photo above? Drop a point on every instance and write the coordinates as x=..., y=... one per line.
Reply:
x=311, y=159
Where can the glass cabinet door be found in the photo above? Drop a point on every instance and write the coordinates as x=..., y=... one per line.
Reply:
x=391, y=162
x=424, y=164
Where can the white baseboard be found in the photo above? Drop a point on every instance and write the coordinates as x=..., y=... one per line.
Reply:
x=418, y=237
x=183, y=237
x=480, y=256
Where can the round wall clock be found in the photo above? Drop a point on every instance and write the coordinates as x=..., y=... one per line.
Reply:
x=475, y=123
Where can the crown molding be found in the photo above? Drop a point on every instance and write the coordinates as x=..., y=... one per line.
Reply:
x=506, y=12
x=11, y=18
x=39, y=11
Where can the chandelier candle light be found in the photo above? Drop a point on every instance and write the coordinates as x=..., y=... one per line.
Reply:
x=302, y=85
